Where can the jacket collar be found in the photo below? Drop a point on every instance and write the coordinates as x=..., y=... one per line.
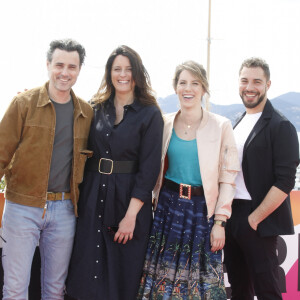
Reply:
x=45, y=100
x=44, y=97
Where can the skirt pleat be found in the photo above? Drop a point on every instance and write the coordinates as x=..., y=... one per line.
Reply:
x=179, y=263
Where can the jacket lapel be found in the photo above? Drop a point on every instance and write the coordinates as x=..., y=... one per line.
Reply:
x=239, y=119
x=261, y=123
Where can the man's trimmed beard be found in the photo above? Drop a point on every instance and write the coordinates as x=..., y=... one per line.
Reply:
x=253, y=104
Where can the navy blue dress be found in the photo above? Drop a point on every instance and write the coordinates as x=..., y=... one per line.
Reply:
x=99, y=267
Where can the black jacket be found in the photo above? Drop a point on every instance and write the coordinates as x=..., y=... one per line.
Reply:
x=270, y=158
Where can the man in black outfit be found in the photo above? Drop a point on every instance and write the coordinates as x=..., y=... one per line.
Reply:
x=269, y=155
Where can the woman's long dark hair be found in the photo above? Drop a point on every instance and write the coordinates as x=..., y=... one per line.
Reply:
x=142, y=91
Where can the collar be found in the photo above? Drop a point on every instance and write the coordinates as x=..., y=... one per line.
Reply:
x=136, y=105
x=45, y=100
x=266, y=113
x=44, y=97
x=268, y=110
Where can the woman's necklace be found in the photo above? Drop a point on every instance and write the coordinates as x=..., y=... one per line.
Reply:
x=187, y=127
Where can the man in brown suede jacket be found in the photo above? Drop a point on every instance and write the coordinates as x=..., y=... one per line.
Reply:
x=43, y=140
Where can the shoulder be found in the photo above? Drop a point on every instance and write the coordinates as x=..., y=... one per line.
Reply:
x=278, y=120
x=274, y=115
x=150, y=112
x=84, y=104
x=31, y=94
x=169, y=117
x=150, y=109
x=278, y=117
x=28, y=99
x=85, y=107
x=216, y=120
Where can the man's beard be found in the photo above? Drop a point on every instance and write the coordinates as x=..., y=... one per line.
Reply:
x=253, y=104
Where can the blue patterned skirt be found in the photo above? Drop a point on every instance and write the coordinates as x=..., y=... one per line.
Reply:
x=179, y=263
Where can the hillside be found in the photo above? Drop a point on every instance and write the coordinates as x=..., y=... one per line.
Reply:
x=288, y=104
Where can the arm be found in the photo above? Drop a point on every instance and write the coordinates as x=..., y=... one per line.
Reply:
x=11, y=127
x=127, y=225
x=285, y=149
x=229, y=167
x=149, y=157
x=271, y=202
x=149, y=167
x=217, y=235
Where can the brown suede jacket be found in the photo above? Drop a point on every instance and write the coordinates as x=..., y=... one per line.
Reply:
x=26, y=141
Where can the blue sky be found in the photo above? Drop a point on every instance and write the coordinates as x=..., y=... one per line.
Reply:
x=164, y=32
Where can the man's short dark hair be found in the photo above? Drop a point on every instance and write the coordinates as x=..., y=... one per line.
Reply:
x=66, y=45
x=256, y=62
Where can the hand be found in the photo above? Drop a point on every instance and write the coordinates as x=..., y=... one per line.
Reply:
x=125, y=231
x=252, y=223
x=217, y=238
x=24, y=91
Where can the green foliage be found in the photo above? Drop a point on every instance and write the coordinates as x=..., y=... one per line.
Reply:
x=2, y=185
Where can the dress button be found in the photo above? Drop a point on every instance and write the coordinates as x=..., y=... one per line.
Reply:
x=99, y=230
x=103, y=185
x=99, y=216
x=97, y=261
x=107, y=134
x=106, y=152
x=101, y=200
x=98, y=246
x=95, y=277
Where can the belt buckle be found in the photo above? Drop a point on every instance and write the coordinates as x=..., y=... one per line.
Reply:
x=54, y=196
x=111, y=169
x=182, y=188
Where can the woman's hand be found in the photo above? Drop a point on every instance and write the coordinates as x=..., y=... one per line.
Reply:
x=126, y=229
x=217, y=238
x=127, y=224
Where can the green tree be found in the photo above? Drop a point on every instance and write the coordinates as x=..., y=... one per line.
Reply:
x=2, y=185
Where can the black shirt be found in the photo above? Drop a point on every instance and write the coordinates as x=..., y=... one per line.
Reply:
x=101, y=268
x=138, y=137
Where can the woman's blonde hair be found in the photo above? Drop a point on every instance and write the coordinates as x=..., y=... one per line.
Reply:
x=196, y=69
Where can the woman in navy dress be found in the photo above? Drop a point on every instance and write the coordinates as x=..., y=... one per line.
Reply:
x=115, y=205
x=183, y=259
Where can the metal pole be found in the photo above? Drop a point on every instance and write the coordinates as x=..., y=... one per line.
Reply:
x=208, y=53
x=208, y=41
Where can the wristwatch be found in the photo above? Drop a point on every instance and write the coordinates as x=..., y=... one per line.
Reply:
x=219, y=222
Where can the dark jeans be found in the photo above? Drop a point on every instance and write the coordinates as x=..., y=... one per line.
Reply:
x=251, y=260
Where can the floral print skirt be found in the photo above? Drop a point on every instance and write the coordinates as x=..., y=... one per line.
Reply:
x=179, y=263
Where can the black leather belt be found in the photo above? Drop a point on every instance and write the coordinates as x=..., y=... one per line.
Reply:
x=108, y=166
x=185, y=190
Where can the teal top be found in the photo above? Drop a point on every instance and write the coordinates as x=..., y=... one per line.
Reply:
x=183, y=161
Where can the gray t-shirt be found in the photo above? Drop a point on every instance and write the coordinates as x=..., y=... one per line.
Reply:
x=61, y=163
